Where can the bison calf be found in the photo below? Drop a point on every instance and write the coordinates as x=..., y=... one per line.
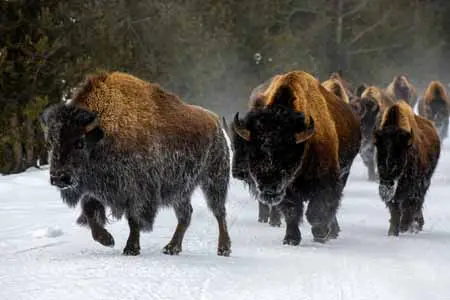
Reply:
x=129, y=145
x=408, y=150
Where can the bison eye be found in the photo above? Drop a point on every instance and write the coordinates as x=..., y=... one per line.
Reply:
x=79, y=144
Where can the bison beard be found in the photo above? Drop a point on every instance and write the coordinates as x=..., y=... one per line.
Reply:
x=132, y=183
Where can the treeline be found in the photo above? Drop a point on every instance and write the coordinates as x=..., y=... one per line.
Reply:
x=211, y=52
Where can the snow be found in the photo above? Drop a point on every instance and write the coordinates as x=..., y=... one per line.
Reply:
x=45, y=255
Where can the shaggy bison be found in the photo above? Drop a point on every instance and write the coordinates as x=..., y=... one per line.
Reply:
x=131, y=146
x=298, y=145
x=408, y=151
x=369, y=107
x=401, y=88
x=435, y=106
x=336, y=87
x=266, y=213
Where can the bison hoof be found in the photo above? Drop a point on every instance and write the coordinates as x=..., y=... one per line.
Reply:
x=104, y=238
x=393, y=232
x=334, y=235
x=131, y=252
x=171, y=249
x=82, y=220
x=320, y=234
x=223, y=251
x=263, y=220
x=291, y=242
x=275, y=224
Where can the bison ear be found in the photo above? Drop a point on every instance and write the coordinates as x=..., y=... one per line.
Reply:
x=305, y=135
x=240, y=129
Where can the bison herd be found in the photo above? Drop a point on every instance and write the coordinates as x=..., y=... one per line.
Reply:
x=129, y=145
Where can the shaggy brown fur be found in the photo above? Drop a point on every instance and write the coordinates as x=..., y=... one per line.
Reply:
x=141, y=111
x=336, y=87
x=435, y=91
x=424, y=134
x=338, y=76
x=401, y=88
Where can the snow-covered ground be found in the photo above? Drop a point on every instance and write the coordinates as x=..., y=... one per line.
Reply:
x=45, y=255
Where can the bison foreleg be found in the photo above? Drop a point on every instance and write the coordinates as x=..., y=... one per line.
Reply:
x=394, y=221
x=293, y=213
x=133, y=245
x=275, y=217
x=183, y=212
x=321, y=214
x=335, y=229
x=263, y=212
x=94, y=212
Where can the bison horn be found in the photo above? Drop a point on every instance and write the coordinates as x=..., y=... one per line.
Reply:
x=239, y=129
x=306, y=134
x=89, y=127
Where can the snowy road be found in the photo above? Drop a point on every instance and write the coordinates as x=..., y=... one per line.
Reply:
x=45, y=255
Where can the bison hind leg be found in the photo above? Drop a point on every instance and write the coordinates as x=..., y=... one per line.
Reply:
x=215, y=189
x=183, y=211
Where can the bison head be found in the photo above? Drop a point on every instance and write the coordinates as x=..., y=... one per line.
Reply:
x=367, y=110
x=392, y=144
x=71, y=134
x=274, y=141
x=438, y=112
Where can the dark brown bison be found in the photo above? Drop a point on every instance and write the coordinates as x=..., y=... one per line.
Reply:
x=408, y=151
x=435, y=106
x=298, y=145
x=129, y=145
x=401, y=88
x=369, y=107
x=266, y=213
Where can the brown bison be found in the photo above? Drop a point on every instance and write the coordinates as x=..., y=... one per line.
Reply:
x=336, y=87
x=401, y=88
x=435, y=106
x=298, y=146
x=129, y=145
x=408, y=151
x=266, y=213
x=369, y=107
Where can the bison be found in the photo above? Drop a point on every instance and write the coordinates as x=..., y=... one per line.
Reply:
x=369, y=107
x=298, y=145
x=400, y=88
x=435, y=106
x=129, y=145
x=266, y=213
x=408, y=151
x=336, y=87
